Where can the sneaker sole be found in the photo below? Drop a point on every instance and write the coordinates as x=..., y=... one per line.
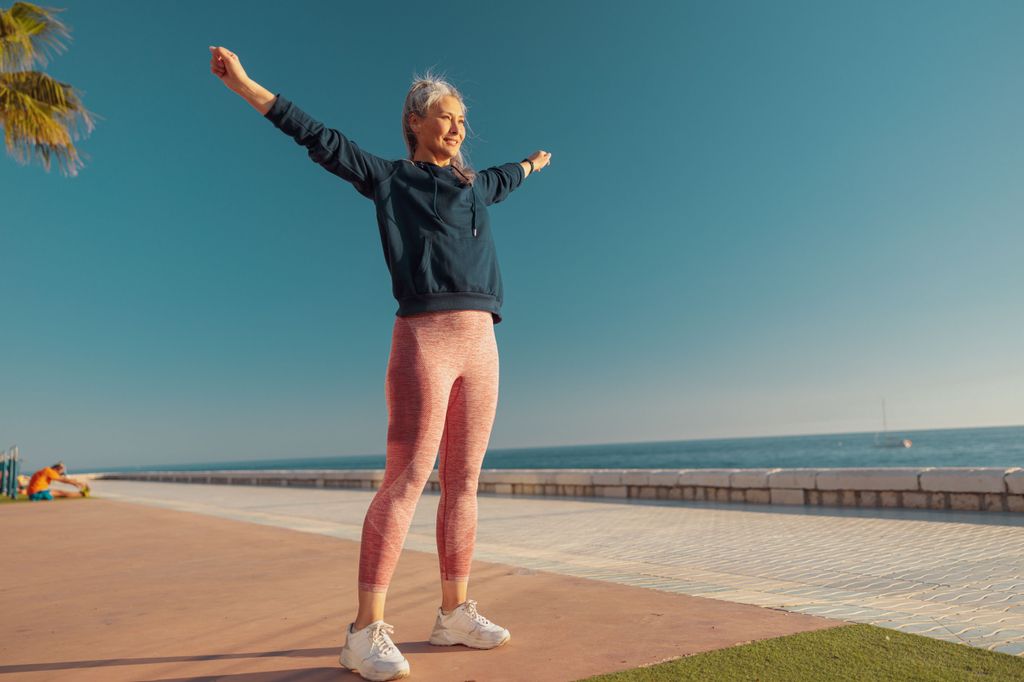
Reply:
x=375, y=677
x=444, y=639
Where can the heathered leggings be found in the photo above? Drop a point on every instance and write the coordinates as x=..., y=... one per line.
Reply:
x=442, y=393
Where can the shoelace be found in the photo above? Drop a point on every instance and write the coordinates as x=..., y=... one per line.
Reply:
x=379, y=637
x=474, y=614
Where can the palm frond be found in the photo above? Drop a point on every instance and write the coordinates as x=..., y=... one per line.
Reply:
x=40, y=117
x=28, y=34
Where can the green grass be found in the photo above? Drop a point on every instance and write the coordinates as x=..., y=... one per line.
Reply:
x=853, y=652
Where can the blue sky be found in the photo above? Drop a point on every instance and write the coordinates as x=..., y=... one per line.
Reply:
x=759, y=219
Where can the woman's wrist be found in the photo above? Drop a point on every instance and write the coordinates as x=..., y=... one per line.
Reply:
x=258, y=96
x=527, y=167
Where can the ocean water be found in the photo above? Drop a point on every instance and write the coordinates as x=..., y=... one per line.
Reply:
x=987, y=447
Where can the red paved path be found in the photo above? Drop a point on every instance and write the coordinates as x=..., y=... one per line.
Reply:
x=130, y=592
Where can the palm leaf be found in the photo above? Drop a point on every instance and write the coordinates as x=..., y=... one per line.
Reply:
x=29, y=34
x=40, y=117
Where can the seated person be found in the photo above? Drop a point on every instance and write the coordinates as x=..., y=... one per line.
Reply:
x=39, y=484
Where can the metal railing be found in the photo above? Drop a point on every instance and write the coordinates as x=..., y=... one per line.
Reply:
x=10, y=467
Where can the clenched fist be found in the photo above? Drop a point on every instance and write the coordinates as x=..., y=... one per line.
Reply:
x=540, y=159
x=224, y=64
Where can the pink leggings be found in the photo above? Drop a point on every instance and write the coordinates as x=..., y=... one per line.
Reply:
x=442, y=393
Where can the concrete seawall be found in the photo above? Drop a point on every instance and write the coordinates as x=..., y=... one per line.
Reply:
x=995, y=489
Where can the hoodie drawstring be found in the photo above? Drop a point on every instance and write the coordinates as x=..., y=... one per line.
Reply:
x=473, y=208
x=471, y=189
x=434, y=178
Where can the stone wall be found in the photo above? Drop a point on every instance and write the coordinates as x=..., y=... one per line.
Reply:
x=957, y=488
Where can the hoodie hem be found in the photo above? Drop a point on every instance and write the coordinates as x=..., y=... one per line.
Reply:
x=459, y=300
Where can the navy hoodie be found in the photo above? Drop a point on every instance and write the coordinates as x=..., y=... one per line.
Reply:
x=434, y=229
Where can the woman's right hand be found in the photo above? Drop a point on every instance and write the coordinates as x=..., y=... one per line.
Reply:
x=224, y=64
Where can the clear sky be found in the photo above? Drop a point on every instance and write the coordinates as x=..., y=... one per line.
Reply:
x=759, y=219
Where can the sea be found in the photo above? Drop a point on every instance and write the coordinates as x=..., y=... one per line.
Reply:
x=976, y=447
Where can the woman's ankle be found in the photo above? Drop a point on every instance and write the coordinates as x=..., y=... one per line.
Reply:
x=448, y=609
x=359, y=625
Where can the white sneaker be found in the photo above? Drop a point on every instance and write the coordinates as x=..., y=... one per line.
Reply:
x=371, y=653
x=464, y=625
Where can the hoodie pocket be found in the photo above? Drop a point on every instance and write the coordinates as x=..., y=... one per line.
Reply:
x=454, y=264
x=421, y=273
x=425, y=258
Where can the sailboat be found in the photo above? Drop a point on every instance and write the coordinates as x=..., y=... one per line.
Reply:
x=888, y=441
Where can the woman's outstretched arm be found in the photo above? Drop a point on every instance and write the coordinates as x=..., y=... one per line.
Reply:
x=225, y=65
x=497, y=183
x=326, y=146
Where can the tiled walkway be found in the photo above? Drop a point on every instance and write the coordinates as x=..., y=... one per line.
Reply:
x=952, y=576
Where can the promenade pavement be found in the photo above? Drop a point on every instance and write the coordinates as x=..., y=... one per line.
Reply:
x=108, y=590
x=129, y=588
x=955, y=576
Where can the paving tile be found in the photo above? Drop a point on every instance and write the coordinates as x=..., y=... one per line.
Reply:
x=926, y=629
x=1012, y=648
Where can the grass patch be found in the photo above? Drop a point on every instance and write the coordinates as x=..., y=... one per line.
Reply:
x=854, y=652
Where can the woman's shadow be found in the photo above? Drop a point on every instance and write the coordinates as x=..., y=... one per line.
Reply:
x=311, y=674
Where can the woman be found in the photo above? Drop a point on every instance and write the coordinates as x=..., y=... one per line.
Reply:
x=442, y=377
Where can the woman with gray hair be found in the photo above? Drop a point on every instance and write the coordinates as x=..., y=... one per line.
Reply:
x=441, y=386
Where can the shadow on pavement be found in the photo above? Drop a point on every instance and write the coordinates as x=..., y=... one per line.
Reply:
x=107, y=662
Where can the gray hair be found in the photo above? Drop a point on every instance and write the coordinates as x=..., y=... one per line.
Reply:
x=424, y=91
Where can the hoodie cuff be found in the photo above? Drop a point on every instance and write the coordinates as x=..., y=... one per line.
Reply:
x=277, y=109
x=517, y=173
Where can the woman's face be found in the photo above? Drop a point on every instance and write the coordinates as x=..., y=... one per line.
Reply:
x=442, y=131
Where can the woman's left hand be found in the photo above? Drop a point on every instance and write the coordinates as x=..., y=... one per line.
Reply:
x=539, y=159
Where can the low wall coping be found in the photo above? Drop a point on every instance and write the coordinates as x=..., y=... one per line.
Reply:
x=999, y=480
